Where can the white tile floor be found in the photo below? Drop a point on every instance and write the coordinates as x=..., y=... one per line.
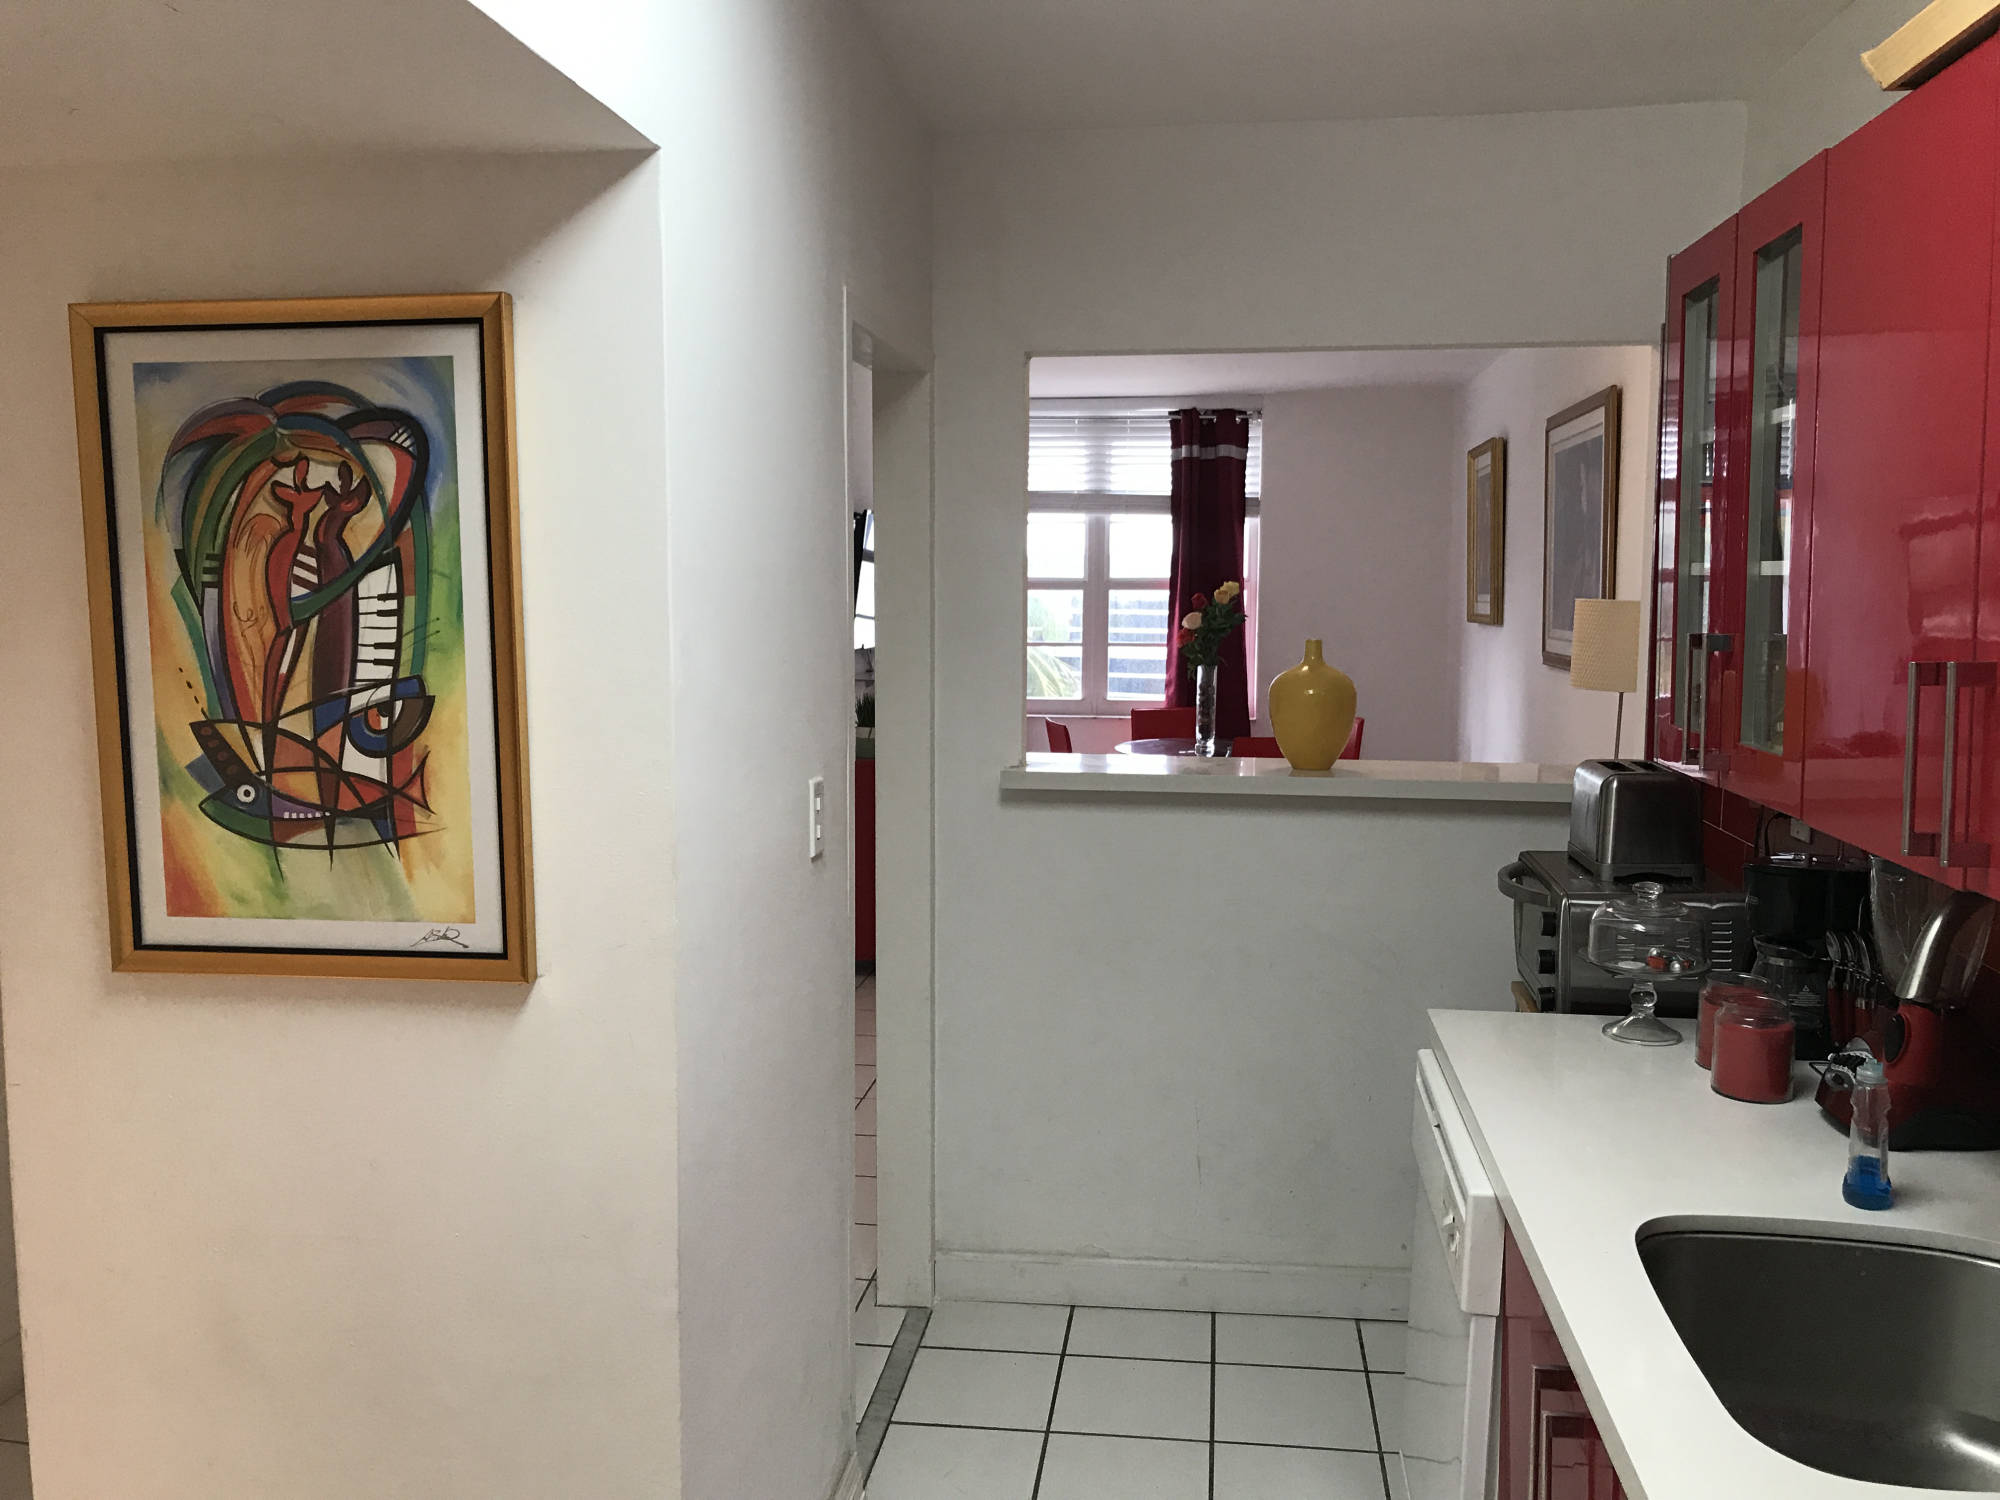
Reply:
x=862, y=1244
x=1012, y=1402
x=875, y=1327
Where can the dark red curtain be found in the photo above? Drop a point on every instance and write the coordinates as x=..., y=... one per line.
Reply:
x=1210, y=451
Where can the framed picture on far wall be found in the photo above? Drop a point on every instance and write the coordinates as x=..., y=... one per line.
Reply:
x=304, y=596
x=1486, y=532
x=1580, y=521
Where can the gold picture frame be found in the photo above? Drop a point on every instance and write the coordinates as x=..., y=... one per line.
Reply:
x=1486, y=533
x=1579, y=516
x=304, y=575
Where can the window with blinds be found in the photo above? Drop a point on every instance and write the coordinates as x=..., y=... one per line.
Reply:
x=1127, y=454
x=1099, y=551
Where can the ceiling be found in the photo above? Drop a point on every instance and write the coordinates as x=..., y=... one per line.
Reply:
x=146, y=80
x=1184, y=375
x=1031, y=64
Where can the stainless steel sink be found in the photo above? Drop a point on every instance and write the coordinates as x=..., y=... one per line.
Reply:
x=1877, y=1362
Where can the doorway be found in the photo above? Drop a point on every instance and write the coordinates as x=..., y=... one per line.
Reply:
x=888, y=544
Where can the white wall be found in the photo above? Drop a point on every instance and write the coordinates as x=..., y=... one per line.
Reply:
x=333, y=1239
x=1386, y=234
x=1821, y=94
x=1511, y=705
x=1356, y=551
x=800, y=193
x=321, y=1239
x=1186, y=1081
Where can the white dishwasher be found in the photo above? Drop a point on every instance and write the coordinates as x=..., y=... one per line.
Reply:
x=1449, y=1388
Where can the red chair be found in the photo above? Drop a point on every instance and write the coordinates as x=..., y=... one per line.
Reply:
x=1162, y=723
x=1059, y=741
x=1254, y=745
x=1352, y=749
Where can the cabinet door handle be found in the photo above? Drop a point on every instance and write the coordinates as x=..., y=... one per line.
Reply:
x=1707, y=646
x=1556, y=1427
x=1968, y=854
x=1543, y=1382
x=1698, y=644
x=1922, y=674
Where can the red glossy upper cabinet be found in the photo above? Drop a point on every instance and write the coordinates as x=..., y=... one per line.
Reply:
x=1764, y=547
x=1904, y=307
x=1976, y=828
x=1689, y=607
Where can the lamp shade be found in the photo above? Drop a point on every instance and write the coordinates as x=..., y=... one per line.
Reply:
x=1604, y=649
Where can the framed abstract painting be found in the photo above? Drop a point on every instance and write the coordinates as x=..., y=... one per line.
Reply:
x=1580, y=516
x=305, y=619
x=1486, y=532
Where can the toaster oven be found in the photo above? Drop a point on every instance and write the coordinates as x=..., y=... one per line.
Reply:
x=1554, y=898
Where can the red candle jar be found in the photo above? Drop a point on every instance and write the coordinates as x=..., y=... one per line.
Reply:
x=1752, y=1053
x=1718, y=992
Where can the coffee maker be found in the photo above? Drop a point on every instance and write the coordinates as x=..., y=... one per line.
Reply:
x=1804, y=908
x=1943, y=1073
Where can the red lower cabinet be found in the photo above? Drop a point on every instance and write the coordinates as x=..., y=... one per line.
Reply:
x=1549, y=1447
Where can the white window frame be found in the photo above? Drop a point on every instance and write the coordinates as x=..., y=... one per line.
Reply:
x=1097, y=583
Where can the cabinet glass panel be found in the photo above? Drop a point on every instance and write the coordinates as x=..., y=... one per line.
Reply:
x=1700, y=356
x=1774, y=398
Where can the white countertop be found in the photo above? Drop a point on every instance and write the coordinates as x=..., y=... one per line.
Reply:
x=1587, y=1141
x=1187, y=775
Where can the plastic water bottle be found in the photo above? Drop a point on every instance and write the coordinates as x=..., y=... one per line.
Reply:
x=1867, y=1182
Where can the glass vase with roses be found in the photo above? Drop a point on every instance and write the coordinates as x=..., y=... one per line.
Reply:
x=1203, y=629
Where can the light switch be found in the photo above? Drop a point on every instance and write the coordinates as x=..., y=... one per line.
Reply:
x=816, y=818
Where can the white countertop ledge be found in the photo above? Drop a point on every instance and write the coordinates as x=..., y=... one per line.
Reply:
x=1114, y=776
x=1588, y=1142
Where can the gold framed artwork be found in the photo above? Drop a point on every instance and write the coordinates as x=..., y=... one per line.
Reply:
x=305, y=622
x=1486, y=532
x=1580, y=516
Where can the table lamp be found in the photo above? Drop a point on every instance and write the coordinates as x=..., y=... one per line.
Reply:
x=1604, y=653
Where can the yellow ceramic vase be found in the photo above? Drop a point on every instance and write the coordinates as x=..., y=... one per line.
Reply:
x=1312, y=711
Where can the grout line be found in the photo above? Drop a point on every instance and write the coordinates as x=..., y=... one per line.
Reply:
x=1062, y=1358
x=1212, y=1320
x=1162, y=1359
x=1282, y=1317
x=1138, y=1437
x=1374, y=1416
x=980, y=1427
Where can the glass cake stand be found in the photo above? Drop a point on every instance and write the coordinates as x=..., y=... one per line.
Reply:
x=1646, y=936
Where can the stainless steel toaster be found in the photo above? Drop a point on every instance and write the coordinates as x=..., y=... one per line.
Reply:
x=1632, y=817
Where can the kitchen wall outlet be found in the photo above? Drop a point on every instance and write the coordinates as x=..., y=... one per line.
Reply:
x=816, y=818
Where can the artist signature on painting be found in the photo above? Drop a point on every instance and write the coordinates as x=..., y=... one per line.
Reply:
x=440, y=935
